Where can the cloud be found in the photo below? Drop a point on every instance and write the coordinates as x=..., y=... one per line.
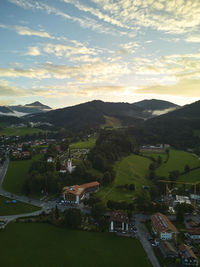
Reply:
x=193, y=39
x=30, y=32
x=31, y=73
x=84, y=22
x=33, y=51
x=96, y=71
x=174, y=17
x=22, y=30
x=61, y=50
x=8, y=90
x=186, y=88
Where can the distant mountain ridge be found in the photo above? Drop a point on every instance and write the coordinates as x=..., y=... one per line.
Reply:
x=21, y=110
x=92, y=114
x=157, y=107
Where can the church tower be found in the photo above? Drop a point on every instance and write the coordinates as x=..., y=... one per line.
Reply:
x=69, y=163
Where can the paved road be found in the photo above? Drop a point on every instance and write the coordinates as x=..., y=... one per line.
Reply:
x=143, y=235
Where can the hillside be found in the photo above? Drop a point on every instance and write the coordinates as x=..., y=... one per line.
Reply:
x=177, y=127
x=155, y=104
x=4, y=109
x=91, y=114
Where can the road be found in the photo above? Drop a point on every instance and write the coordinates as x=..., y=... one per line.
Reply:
x=143, y=235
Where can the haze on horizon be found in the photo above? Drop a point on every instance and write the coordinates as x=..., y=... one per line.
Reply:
x=67, y=52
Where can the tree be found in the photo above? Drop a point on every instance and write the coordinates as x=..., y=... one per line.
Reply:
x=98, y=210
x=106, y=178
x=180, y=214
x=73, y=218
x=58, y=165
x=159, y=160
x=187, y=168
x=173, y=175
x=152, y=167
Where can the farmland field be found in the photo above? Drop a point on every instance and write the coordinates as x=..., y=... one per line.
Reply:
x=177, y=161
x=84, y=144
x=10, y=208
x=20, y=131
x=16, y=175
x=130, y=170
x=39, y=245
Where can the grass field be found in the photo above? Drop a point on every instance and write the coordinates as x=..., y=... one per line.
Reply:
x=42, y=245
x=155, y=155
x=177, y=161
x=83, y=144
x=131, y=169
x=16, y=175
x=14, y=208
x=111, y=122
x=20, y=131
x=193, y=176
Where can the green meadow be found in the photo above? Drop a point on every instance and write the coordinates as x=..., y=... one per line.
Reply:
x=16, y=175
x=84, y=144
x=130, y=170
x=191, y=177
x=20, y=131
x=14, y=208
x=177, y=161
x=41, y=245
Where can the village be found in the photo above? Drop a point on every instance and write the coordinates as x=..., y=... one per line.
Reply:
x=178, y=243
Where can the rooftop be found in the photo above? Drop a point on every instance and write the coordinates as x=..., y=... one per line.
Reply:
x=162, y=223
x=119, y=216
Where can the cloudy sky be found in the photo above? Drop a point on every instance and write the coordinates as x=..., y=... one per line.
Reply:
x=65, y=52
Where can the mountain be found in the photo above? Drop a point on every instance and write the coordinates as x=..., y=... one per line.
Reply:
x=4, y=109
x=177, y=127
x=91, y=114
x=157, y=107
x=32, y=108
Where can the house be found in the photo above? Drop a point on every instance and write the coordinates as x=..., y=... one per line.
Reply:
x=168, y=250
x=188, y=257
x=119, y=221
x=74, y=194
x=26, y=154
x=50, y=159
x=181, y=200
x=63, y=169
x=162, y=227
x=194, y=234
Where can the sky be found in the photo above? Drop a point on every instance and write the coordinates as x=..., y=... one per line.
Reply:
x=66, y=52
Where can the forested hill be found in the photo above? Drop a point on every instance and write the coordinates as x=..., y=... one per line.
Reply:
x=177, y=127
x=91, y=114
x=155, y=104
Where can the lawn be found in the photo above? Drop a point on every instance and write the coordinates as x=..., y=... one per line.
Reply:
x=84, y=144
x=177, y=161
x=14, y=208
x=130, y=170
x=20, y=131
x=41, y=245
x=16, y=175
